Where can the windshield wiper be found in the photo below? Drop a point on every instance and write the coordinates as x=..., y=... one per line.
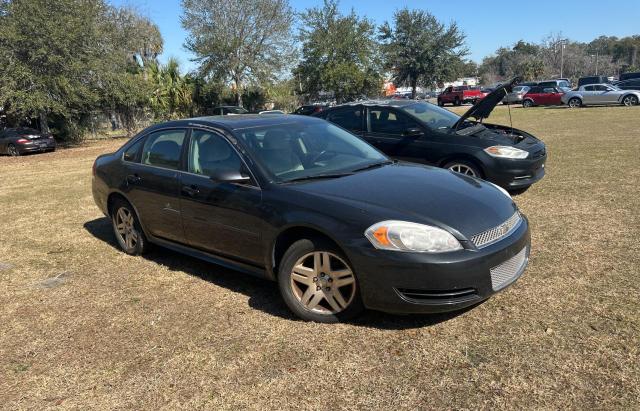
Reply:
x=374, y=165
x=318, y=177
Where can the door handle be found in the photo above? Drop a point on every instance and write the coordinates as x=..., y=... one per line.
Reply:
x=133, y=179
x=190, y=191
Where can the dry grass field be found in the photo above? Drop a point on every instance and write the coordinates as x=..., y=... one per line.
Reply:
x=83, y=325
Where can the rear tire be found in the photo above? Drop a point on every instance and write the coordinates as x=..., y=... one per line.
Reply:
x=575, y=102
x=127, y=229
x=12, y=150
x=464, y=167
x=440, y=103
x=518, y=191
x=456, y=102
x=318, y=283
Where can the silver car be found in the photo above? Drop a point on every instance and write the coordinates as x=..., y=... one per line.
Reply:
x=600, y=94
x=515, y=97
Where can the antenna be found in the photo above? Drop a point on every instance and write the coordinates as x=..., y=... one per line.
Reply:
x=509, y=108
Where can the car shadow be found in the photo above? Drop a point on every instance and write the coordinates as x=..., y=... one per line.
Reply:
x=263, y=294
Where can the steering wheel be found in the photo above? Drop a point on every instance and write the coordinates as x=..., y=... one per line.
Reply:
x=321, y=154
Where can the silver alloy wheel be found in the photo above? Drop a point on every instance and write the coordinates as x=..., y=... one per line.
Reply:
x=323, y=283
x=463, y=169
x=630, y=101
x=13, y=151
x=574, y=102
x=125, y=227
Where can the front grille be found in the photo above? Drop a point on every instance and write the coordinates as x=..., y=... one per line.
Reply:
x=437, y=296
x=494, y=234
x=507, y=272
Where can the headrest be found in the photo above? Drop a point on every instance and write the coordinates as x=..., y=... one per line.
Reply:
x=214, y=149
x=277, y=140
x=164, y=153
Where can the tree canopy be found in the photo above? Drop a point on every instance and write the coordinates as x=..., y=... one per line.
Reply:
x=420, y=50
x=242, y=41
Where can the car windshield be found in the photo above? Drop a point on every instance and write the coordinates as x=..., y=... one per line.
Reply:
x=432, y=115
x=520, y=89
x=309, y=150
x=237, y=110
x=614, y=88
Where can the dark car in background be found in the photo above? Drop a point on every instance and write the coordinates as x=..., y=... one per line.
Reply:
x=630, y=84
x=629, y=76
x=228, y=110
x=543, y=96
x=310, y=109
x=23, y=140
x=424, y=133
x=583, y=81
x=305, y=203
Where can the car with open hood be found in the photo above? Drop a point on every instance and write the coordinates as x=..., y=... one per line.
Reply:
x=425, y=133
x=298, y=200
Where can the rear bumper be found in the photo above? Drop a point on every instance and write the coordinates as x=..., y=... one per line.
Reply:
x=420, y=283
x=35, y=147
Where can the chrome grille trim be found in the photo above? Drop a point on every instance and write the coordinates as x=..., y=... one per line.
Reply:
x=507, y=272
x=494, y=234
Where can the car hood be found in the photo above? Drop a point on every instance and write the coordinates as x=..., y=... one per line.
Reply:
x=483, y=108
x=428, y=195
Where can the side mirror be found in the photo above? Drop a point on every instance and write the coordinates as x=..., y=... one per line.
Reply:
x=413, y=132
x=230, y=176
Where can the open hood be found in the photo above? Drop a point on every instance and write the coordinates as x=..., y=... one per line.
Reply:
x=483, y=108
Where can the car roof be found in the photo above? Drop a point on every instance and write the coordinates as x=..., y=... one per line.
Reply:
x=241, y=121
x=385, y=102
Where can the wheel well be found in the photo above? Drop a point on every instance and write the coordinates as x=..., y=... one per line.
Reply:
x=112, y=198
x=576, y=98
x=290, y=236
x=463, y=157
x=627, y=95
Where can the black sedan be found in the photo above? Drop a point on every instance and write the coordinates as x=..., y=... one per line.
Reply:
x=302, y=202
x=425, y=133
x=21, y=140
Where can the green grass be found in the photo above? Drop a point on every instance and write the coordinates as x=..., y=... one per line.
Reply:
x=168, y=331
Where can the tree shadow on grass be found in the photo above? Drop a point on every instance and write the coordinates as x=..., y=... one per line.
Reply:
x=263, y=294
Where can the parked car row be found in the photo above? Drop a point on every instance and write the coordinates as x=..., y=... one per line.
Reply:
x=337, y=223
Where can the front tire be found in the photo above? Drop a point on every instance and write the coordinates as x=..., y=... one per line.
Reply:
x=127, y=229
x=630, y=100
x=318, y=283
x=456, y=102
x=527, y=104
x=575, y=102
x=464, y=167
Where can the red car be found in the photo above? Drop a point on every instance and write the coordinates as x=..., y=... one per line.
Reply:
x=542, y=96
x=460, y=95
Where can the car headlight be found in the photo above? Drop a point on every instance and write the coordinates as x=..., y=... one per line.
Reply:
x=411, y=237
x=506, y=152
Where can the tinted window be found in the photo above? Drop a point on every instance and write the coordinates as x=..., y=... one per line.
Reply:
x=162, y=149
x=131, y=153
x=588, y=88
x=349, y=118
x=535, y=90
x=209, y=152
x=600, y=87
x=384, y=120
x=549, y=90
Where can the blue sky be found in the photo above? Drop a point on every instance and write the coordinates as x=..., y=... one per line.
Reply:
x=487, y=24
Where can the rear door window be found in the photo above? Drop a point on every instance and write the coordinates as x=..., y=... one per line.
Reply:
x=386, y=121
x=349, y=118
x=163, y=148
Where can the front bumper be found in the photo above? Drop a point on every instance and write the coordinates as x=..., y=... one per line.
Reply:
x=399, y=282
x=514, y=174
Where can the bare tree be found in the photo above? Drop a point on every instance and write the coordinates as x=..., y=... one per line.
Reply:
x=241, y=41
